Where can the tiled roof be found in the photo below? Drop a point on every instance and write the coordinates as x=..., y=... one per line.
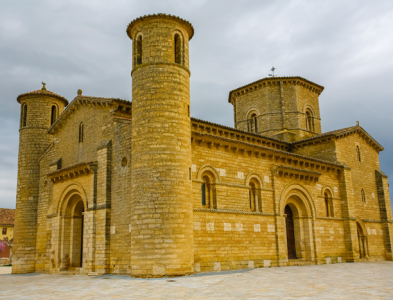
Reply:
x=240, y=131
x=7, y=216
x=161, y=16
x=41, y=92
x=340, y=132
x=319, y=87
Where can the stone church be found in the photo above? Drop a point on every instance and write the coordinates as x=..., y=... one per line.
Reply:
x=107, y=185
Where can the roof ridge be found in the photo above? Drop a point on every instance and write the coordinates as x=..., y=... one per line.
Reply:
x=42, y=92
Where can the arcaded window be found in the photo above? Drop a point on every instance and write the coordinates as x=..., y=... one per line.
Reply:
x=139, y=50
x=81, y=129
x=207, y=190
x=309, y=120
x=358, y=153
x=24, y=115
x=53, y=114
x=254, y=198
x=363, y=196
x=177, y=49
x=329, y=204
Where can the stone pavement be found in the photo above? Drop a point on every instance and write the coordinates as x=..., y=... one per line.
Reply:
x=372, y=280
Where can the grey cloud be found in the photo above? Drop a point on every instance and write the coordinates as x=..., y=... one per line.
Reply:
x=343, y=45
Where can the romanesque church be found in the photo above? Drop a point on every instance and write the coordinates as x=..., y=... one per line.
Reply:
x=107, y=185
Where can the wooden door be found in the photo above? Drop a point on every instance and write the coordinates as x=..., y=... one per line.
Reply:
x=290, y=233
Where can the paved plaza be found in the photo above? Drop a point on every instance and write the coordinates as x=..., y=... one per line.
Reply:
x=373, y=280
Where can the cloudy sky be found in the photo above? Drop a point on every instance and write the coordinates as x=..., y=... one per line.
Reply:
x=345, y=46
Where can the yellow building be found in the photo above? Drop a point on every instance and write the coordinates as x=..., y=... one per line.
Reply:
x=141, y=188
x=7, y=219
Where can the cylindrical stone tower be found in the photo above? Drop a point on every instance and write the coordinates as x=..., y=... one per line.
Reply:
x=39, y=109
x=161, y=213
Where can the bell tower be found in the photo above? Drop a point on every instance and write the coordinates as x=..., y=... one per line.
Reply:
x=161, y=206
x=39, y=109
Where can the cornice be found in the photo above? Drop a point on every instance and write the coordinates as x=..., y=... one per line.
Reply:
x=297, y=173
x=241, y=134
x=261, y=151
x=183, y=22
x=340, y=133
x=264, y=82
x=72, y=172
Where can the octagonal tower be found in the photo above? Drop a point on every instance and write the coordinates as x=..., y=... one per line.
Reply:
x=161, y=206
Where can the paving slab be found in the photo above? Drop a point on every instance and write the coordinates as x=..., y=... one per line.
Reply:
x=371, y=280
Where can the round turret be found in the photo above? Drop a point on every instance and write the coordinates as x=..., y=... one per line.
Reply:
x=39, y=110
x=161, y=213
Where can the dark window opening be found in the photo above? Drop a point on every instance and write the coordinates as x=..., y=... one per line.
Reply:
x=177, y=49
x=81, y=133
x=4, y=230
x=53, y=115
x=358, y=153
x=139, y=50
x=24, y=115
x=363, y=196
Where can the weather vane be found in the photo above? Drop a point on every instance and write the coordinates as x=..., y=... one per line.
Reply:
x=272, y=69
x=43, y=86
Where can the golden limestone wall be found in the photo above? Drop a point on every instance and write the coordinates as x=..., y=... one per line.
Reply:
x=161, y=210
x=325, y=150
x=32, y=143
x=228, y=235
x=120, y=238
x=364, y=178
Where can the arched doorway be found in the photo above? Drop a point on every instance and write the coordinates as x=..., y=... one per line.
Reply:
x=290, y=228
x=298, y=236
x=362, y=240
x=72, y=235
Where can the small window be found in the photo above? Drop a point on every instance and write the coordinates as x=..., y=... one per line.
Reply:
x=81, y=133
x=4, y=230
x=309, y=121
x=329, y=204
x=53, y=114
x=252, y=123
x=24, y=115
x=363, y=196
x=253, y=196
x=358, y=153
x=139, y=50
x=177, y=49
x=204, y=194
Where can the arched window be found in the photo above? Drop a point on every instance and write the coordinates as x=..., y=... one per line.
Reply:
x=81, y=132
x=309, y=120
x=208, y=200
x=53, y=114
x=358, y=153
x=363, y=196
x=177, y=49
x=252, y=123
x=139, y=50
x=329, y=204
x=24, y=115
x=254, y=198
